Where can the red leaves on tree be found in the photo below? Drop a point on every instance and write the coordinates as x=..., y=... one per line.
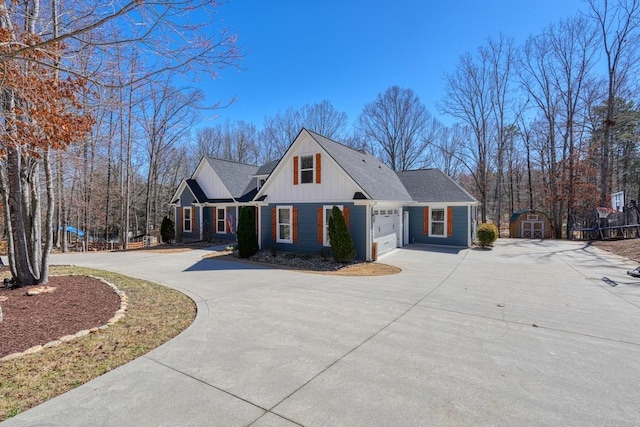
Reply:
x=47, y=113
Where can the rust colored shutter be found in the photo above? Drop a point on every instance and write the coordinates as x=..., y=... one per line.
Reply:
x=345, y=214
x=181, y=219
x=295, y=170
x=425, y=221
x=318, y=168
x=273, y=224
x=295, y=224
x=449, y=221
x=215, y=221
x=320, y=227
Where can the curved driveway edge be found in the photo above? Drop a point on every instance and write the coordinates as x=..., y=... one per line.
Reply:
x=526, y=333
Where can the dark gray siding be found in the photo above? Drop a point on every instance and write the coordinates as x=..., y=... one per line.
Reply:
x=186, y=200
x=307, y=242
x=460, y=227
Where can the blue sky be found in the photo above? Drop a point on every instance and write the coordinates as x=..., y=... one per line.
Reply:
x=348, y=51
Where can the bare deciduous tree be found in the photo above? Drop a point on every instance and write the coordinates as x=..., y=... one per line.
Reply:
x=395, y=125
x=618, y=23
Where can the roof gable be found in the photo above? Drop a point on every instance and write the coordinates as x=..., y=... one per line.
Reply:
x=335, y=184
x=235, y=176
x=194, y=190
x=377, y=180
x=370, y=178
x=433, y=185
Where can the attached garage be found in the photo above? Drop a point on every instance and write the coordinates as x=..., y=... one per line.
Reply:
x=387, y=230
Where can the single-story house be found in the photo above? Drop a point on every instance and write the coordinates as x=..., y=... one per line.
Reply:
x=293, y=198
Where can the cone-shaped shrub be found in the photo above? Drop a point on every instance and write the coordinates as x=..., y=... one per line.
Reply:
x=341, y=242
x=247, y=237
x=167, y=230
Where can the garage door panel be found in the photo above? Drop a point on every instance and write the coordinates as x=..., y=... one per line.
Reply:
x=386, y=231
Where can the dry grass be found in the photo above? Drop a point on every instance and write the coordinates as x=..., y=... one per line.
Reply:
x=155, y=315
x=628, y=248
x=365, y=269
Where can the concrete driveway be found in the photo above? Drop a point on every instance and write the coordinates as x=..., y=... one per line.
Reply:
x=524, y=334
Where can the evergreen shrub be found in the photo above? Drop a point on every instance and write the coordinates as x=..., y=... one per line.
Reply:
x=341, y=242
x=247, y=237
x=167, y=230
x=487, y=234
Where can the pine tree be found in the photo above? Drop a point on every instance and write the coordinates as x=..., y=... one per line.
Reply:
x=247, y=237
x=167, y=230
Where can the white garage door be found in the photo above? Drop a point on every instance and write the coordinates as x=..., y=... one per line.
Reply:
x=386, y=229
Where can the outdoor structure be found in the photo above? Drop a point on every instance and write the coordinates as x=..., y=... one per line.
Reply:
x=294, y=196
x=609, y=223
x=530, y=224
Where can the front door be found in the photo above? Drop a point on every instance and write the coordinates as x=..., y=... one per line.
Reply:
x=532, y=229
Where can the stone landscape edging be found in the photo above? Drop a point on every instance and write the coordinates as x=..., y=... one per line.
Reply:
x=119, y=314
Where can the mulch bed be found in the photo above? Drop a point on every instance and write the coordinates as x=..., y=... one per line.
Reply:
x=78, y=303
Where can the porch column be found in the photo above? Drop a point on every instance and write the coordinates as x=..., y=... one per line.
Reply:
x=201, y=224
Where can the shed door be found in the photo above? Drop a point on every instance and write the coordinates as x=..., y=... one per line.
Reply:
x=532, y=229
x=386, y=229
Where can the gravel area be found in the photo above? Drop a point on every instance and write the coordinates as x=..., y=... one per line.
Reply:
x=299, y=261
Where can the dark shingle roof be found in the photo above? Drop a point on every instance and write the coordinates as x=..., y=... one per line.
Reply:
x=432, y=185
x=373, y=176
x=237, y=177
x=266, y=169
x=196, y=190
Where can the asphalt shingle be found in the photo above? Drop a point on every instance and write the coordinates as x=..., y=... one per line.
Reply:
x=432, y=185
x=237, y=177
x=373, y=176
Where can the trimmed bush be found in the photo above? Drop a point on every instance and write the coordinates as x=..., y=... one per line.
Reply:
x=167, y=230
x=247, y=237
x=341, y=242
x=487, y=234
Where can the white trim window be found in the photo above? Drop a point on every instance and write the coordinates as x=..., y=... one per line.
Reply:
x=327, y=210
x=307, y=169
x=221, y=220
x=284, y=224
x=438, y=222
x=187, y=220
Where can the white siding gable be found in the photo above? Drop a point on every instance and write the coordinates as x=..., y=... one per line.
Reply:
x=210, y=182
x=335, y=185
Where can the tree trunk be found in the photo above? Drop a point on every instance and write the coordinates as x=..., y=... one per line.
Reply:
x=48, y=241
x=20, y=254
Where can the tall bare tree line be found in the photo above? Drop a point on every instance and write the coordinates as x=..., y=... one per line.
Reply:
x=60, y=72
x=539, y=125
x=530, y=132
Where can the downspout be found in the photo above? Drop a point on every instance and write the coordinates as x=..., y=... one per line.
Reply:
x=370, y=228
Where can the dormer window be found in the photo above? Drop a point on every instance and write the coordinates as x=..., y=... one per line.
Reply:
x=260, y=182
x=306, y=169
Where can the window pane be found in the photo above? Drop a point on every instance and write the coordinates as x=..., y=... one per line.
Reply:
x=285, y=232
x=283, y=216
x=437, y=228
x=306, y=162
x=437, y=215
x=220, y=213
x=306, y=177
